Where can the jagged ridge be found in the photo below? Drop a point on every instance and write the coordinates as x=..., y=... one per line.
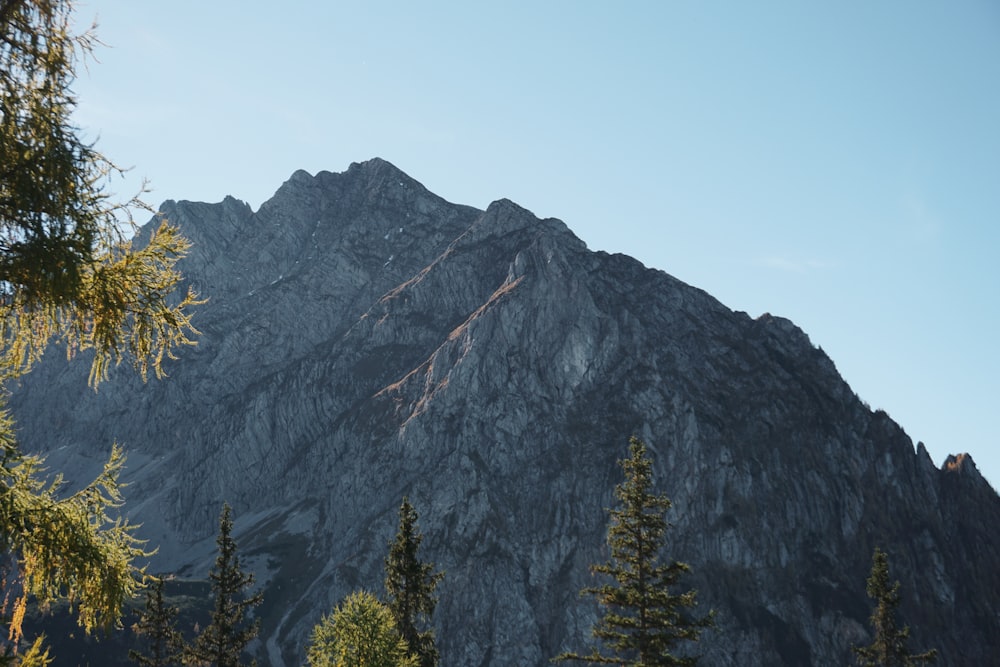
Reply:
x=366, y=339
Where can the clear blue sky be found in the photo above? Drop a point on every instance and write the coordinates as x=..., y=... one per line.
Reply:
x=834, y=163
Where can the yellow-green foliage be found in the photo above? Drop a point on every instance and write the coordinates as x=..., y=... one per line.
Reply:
x=121, y=310
x=37, y=655
x=66, y=548
x=69, y=275
x=359, y=633
x=67, y=271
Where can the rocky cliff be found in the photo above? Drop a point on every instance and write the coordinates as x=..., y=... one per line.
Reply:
x=365, y=339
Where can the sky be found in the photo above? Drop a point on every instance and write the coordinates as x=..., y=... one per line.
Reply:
x=836, y=163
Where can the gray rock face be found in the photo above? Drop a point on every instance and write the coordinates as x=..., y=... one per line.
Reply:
x=365, y=339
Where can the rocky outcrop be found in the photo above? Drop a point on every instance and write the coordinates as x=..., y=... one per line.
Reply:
x=365, y=339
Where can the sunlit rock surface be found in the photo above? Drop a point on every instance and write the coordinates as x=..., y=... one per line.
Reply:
x=365, y=339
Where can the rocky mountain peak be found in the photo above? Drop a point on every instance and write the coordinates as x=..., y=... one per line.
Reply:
x=963, y=467
x=366, y=339
x=961, y=464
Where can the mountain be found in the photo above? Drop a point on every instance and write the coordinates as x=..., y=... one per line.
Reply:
x=365, y=339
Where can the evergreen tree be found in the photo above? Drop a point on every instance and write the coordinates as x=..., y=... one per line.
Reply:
x=360, y=632
x=223, y=640
x=888, y=648
x=68, y=274
x=156, y=624
x=409, y=585
x=643, y=621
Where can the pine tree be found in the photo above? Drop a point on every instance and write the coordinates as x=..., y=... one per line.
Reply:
x=223, y=640
x=409, y=585
x=156, y=624
x=360, y=632
x=888, y=648
x=643, y=622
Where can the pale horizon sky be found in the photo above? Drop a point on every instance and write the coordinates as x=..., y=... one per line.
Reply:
x=837, y=164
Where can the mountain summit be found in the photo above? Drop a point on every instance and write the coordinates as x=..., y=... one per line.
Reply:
x=366, y=340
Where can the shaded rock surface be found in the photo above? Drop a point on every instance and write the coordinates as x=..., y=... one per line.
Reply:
x=365, y=339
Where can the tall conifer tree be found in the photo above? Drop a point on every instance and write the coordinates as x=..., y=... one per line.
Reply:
x=223, y=640
x=409, y=585
x=643, y=621
x=888, y=648
x=156, y=624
